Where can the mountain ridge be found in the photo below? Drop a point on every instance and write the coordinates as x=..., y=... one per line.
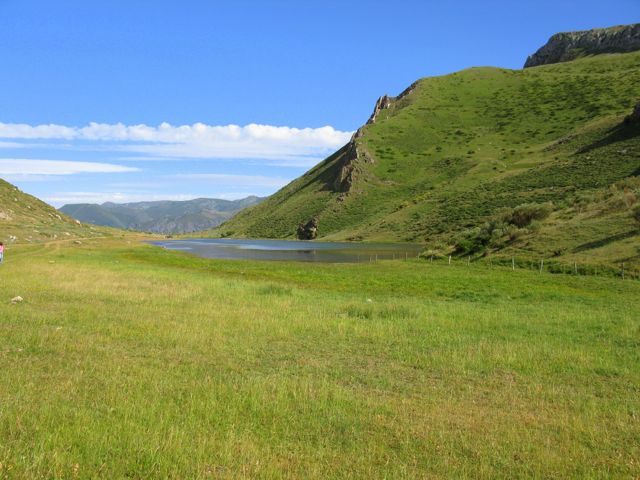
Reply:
x=163, y=216
x=567, y=46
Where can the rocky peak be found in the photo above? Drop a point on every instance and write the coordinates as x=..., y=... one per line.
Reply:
x=564, y=47
x=354, y=153
x=382, y=103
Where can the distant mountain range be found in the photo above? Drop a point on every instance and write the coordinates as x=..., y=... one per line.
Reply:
x=161, y=216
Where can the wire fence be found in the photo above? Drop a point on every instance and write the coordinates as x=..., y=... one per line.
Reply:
x=623, y=270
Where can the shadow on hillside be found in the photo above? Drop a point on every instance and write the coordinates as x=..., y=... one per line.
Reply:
x=327, y=172
x=324, y=174
x=605, y=241
x=617, y=134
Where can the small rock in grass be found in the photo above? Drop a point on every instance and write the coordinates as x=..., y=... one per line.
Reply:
x=17, y=299
x=77, y=242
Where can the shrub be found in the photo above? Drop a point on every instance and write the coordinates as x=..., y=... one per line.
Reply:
x=523, y=215
x=505, y=227
x=635, y=213
x=629, y=198
x=435, y=250
x=514, y=233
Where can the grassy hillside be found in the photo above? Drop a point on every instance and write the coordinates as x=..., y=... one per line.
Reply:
x=127, y=361
x=25, y=219
x=454, y=152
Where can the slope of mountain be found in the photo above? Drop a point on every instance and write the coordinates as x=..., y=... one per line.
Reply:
x=452, y=154
x=564, y=47
x=162, y=216
x=25, y=219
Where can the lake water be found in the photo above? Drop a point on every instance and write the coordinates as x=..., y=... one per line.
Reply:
x=289, y=250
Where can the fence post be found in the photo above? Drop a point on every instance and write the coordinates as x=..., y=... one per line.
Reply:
x=541, y=264
x=623, y=270
x=513, y=263
x=449, y=259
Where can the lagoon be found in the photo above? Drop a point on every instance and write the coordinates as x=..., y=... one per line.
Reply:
x=291, y=250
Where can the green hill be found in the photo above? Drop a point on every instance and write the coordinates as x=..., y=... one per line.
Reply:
x=25, y=219
x=447, y=161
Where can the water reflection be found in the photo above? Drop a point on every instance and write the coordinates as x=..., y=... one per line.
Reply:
x=288, y=250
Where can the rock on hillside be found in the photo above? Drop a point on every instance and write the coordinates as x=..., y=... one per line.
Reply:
x=564, y=47
x=634, y=117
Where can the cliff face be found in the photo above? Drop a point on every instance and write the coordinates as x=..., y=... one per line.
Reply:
x=564, y=47
x=354, y=154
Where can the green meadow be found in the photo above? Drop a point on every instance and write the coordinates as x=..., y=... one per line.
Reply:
x=128, y=361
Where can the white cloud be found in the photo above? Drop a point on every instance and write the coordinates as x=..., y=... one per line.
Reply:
x=287, y=145
x=26, y=167
x=13, y=145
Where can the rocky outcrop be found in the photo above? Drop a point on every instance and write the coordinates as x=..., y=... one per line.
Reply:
x=309, y=230
x=382, y=103
x=353, y=156
x=634, y=117
x=564, y=47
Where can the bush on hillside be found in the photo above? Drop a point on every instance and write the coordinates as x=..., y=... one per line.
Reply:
x=436, y=250
x=635, y=213
x=505, y=227
x=523, y=215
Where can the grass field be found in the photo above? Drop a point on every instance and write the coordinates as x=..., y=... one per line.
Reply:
x=127, y=361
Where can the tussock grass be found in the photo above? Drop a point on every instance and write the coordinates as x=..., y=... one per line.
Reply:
x=129, y=361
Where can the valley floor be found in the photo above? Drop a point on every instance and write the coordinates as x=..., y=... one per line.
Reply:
x=127, y=361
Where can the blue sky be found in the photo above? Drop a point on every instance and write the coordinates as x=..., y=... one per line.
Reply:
x=114, y=100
